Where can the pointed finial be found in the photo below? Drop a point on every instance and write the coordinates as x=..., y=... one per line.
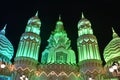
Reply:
x=114, y=33
x=83, y=15
x=59, y=17
x=3, y=30
x=36, y=13
x=59, y=21
x=113, y=30
x=5, y=26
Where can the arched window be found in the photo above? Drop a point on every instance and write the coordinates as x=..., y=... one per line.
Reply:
x=61, y=57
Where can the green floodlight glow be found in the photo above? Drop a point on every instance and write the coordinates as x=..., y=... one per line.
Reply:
x=33, y=28
x=59, y=23
x=30, y=40
x=58, y=49
x=33, y=25
x=112, y=50
x=87, y=42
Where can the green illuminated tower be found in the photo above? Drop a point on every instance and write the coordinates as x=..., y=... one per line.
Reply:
x=58, y=49
x=28, y=49
x=88, y=52
x=112, y=54
x=30, y=40
x=58, y=59
x=6, y=54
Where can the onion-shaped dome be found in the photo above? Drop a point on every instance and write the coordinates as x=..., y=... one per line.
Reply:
x=34, y=24
x=84, y=23
x=112, y=50
x=6, y=48
x=34, y=20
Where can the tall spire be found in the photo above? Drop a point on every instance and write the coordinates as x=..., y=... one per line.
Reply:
x=84, y=29
x=82, y=15
x=36, y=14
x=58, y=49
x=3, y=30
x=114, y=33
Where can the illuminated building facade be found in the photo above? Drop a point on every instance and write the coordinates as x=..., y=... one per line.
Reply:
x=58, y=60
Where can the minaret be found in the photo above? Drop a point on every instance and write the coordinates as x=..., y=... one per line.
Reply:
x=30, y=40
x=88, y=51
x=6, y=54
x=6, y=48
x=87, y=42
x=58, y=50
x=28, y=48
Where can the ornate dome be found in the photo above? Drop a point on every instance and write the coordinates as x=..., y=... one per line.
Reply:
x=58, y=50
x=34, y=20
x=112, y=50
x=84, y=22
x=6, y=48
x=33, y=24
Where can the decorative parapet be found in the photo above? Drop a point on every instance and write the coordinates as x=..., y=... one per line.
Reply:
x=58, y=70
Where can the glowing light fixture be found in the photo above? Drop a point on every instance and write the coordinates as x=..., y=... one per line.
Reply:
x=90, y=78
x=2, y=65
x=114, y=67
x=111, y=69
x=23, y=77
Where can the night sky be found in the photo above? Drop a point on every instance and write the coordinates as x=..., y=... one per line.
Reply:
x=103, y=15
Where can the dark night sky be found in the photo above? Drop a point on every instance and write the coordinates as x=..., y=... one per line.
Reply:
x=103, y=15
